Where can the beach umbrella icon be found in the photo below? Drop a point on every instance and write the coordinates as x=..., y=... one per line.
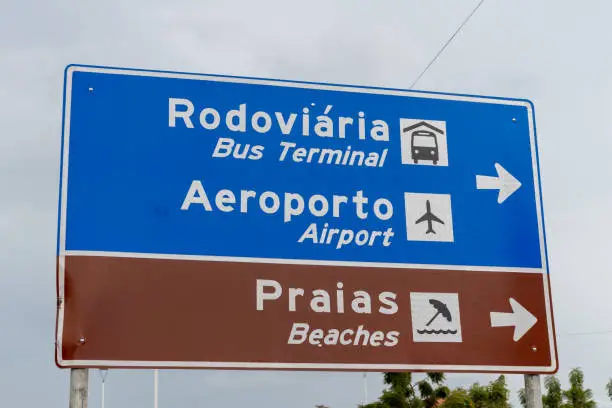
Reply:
x=441, y=309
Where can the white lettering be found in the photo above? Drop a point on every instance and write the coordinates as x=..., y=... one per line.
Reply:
x=266, y=119
x=337, y=200
x=286, y=147
x=293, y=294
x=346, y=237
x=392, y=339
x=362, y=302
x=361, y=237
x=388, y=300
x=261, y=294
x=310, y=233
x=285, y=126
x=315, y=337
x=332, y=337
x=205, y=123
x=388, y=211
x=380, y=131
x=239, y=113
x=275, y=202
x=298, y=333
x=174, y=113
x=320, y=303
x=313, y=208
x=225, y=197
x=360, y=200
x=191, y=197
x=343, y=340
x=224, y=147
x=244, y=198
x=290, y=210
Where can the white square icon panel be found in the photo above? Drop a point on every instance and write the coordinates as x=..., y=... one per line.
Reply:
x=429, y=217
x=435, y=317
x=423, y=142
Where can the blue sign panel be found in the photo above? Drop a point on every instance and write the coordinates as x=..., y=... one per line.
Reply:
x=181, y=164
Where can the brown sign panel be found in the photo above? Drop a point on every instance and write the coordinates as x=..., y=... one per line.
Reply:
x=127, y=312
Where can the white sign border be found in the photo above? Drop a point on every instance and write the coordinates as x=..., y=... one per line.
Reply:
x=62, y=253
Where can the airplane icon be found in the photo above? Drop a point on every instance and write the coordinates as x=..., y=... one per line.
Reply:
x=430, y=218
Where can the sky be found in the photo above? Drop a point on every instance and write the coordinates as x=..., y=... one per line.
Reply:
x=551, y=52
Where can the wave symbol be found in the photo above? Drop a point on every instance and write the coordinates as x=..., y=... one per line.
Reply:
x=437, y=331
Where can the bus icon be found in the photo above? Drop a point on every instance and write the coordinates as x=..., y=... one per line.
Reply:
x=424, y=145
x=424, y=142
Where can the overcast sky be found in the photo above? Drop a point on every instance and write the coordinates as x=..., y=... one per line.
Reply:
x=555, y=53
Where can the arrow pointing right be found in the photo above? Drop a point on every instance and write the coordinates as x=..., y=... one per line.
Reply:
x=520, y=318
x=505, y=182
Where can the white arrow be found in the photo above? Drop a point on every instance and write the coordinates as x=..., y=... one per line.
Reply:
x=505, y=182
x=520, y=318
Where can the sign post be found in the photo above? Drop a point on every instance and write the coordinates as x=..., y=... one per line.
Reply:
x=223, y=222
x=155, y=388
x=533, y=391
x=79, y=388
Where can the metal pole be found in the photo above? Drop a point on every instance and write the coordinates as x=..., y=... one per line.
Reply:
x=365, y=388
x=79, y=381
x=533, y=391
x=103, y=373
x=155, y=387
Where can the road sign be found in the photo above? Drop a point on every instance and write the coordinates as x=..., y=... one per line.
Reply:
x=223, y=222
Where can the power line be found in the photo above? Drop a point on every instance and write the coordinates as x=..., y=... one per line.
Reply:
x=446, y=44
x=418, y=78
x=591, y=333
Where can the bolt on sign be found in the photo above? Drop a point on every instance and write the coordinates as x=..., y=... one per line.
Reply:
x=225, y=222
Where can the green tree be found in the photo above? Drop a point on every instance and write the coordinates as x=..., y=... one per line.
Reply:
x=398, y=392
x=499, y=393
x=493, y=395
x=479, y=395
x=522, y=397
x=577, y=396
x=458, y=398
x=609, y=388
x=401, y=392
x=553, y=398
x=432, y=389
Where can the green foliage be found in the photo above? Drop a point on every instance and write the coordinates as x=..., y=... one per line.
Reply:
x=522, y=397
x=499, y=393
x=401, y=392
x=577, y=396
x=459, y=398
x=400, y=383
x=436, y=378
x=430, y=392
x=392, y=399
x=553, y=397
x=493, y=395
x=376, y=404
x=479, y=395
